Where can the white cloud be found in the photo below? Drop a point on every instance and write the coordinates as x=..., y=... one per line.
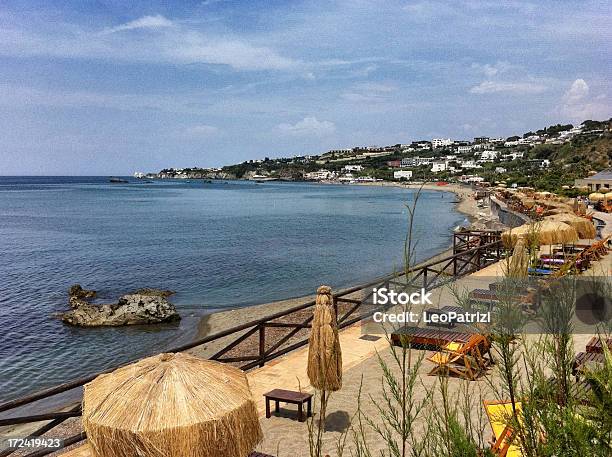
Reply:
x=577, y=92
x=369, y=92
x=490, y=70
x=166, y=42
x=520, y=87
x=203, y=130
x=577, y=104
x=309, y=126
x=145, y=22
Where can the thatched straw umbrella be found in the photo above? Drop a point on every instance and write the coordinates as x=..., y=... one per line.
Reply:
x=171, y=405
x=584, y=227
x=519, y=260
x=596, y=197
x=545, y=232
x=527, y=202
x=324, y=353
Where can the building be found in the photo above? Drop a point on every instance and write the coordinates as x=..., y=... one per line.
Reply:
x=488, y=156
x=437, y=167
x=320, y=175
x=402, y=174
x=441, y=142
x=464, y=149
x=597, y=181
x=349, y=168
x=394, y=163
x=481, y=139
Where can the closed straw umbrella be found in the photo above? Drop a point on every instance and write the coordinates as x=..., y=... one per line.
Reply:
x=519, y=260
x=324, y=353
x=171, y=405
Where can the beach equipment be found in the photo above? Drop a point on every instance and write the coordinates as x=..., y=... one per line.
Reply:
x=171, y=405
x=596, y=197
x=324, y=353
x=519, y=260
x=500, y=414
x=466, y=360
x=545, y=232
x=527, y=202
x=584, y=227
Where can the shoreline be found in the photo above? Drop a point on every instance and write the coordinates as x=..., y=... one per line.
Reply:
x=221, y=320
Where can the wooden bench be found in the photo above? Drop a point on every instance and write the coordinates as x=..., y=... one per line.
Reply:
x=292, y=397
x=584, y=359
x=595, y=344
x=427, y=338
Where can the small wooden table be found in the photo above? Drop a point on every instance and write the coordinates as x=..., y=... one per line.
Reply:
x=289, y=396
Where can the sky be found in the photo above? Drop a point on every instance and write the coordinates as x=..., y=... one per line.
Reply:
x=113, y=87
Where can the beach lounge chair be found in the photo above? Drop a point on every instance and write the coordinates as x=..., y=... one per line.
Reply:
x=500, y=415
x=466, y=360
x=540, y=272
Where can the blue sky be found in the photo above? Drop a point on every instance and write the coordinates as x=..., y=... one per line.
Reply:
x=110, y=87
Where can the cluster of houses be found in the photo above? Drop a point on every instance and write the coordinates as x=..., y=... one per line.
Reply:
x=347, y=174
x=460, y=158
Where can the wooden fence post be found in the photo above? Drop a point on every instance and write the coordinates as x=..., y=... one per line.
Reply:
x=262, y=345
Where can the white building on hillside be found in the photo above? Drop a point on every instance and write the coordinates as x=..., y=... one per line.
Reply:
x=437, y=167
x=441, y=142
x=402, y=174
x=320, y=175
x=349, y=168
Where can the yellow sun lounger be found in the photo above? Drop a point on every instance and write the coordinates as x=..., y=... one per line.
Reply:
x=500, y=414
x=465, y=360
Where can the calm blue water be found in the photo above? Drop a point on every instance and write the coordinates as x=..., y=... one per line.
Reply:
x=218, y=245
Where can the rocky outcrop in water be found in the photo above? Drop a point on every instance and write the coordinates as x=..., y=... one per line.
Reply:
x=78, y=292
x=132, y=309
x=154, y=292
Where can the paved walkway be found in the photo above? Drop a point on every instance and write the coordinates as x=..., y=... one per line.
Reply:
x=607, y=219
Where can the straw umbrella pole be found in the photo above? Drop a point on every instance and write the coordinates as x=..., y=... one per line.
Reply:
x=171, y=405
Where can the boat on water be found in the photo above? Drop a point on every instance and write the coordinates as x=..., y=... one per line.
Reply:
x=118, y=181
x=261, y=178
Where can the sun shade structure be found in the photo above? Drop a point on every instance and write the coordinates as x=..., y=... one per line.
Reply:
x=544, y=232
x=171, y=405
x=596, y=197
x=324, y=353
x=518, y=263
x=584, y=227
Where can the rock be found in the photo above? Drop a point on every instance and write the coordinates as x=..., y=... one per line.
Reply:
x=131, y=309
x=80, y=293
x=150, y=292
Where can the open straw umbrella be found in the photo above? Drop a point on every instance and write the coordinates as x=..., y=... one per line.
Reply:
x=324, y=353
x=584, y=227
x=545, y=232
x=171, y=405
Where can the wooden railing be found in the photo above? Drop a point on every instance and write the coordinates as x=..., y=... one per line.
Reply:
x=429, y=276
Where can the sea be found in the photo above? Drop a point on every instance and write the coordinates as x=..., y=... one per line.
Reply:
x=219, y=245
